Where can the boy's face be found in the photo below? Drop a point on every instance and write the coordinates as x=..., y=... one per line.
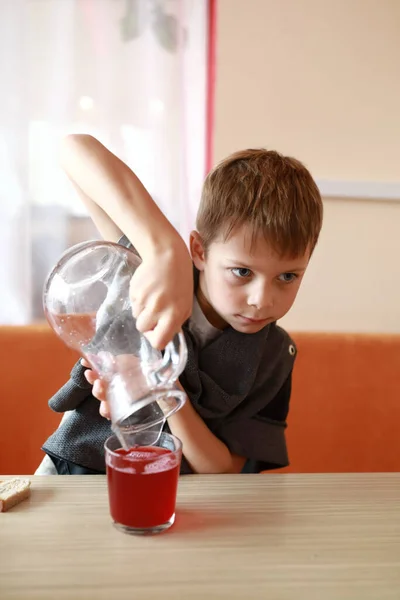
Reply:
x=244, y=286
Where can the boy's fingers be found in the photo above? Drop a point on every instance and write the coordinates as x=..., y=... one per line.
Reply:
x=137, y=308
x=162, y=333
x=156, y=340
x=146, y=321
x=104, y=411
x=98, y=390
x=90, y=376
x=85, y=363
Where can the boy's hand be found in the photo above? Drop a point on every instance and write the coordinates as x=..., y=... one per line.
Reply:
x=161, y=292
x=126, y=366
x=99, y=388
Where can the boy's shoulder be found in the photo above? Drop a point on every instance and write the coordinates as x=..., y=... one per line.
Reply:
x=273, y=355
x=272, y=340
x=277, y=336
x=277, y=357
x=238, y=360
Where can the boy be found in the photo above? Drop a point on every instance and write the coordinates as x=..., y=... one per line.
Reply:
x=258, y=223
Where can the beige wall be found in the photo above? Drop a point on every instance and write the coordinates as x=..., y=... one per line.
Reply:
x=320, y=79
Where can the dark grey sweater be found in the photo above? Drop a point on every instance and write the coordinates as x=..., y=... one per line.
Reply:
x=239, y=384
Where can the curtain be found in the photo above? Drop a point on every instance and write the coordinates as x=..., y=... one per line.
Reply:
x=133, y=73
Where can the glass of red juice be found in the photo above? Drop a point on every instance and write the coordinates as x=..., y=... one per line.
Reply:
x=143, y=482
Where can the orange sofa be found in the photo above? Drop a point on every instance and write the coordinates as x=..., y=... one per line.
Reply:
x=345, y=406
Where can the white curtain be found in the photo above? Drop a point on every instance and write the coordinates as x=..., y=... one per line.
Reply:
x=130, y=72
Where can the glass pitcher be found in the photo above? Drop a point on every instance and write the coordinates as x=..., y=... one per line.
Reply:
x=86, y=302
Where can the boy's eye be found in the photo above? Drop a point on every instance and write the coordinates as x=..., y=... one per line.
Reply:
x=241, y=272
x=287, y=277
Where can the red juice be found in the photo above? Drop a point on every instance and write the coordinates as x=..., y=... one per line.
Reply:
x=142, y=485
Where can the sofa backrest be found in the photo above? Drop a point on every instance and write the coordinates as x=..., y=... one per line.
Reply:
x=344, y=415
x=345, y=405
x=34, y=364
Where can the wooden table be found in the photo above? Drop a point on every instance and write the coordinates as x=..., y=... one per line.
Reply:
x=274, y=536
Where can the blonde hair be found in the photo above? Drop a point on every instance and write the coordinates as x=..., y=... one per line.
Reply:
x=274, y=194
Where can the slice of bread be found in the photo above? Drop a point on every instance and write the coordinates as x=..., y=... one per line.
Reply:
x=13, y=491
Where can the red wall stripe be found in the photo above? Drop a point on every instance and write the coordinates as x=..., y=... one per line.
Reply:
x=211, y=75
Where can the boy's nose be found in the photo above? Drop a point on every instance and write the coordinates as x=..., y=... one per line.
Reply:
x=261, y=298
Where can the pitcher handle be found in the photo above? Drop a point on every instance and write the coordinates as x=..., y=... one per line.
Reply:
x=174, y=359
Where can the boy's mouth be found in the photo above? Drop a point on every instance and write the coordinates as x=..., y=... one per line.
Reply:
x=252, y=321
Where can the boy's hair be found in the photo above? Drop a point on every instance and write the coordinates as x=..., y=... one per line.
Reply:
x=274, y=194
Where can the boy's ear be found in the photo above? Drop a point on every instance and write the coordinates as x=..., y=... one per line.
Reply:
x=197, y=250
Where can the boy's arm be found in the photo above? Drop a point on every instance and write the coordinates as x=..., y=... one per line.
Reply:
x=204, y=452
x=162, y=287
